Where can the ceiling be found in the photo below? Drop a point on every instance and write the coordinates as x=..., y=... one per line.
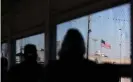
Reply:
x=22, y=18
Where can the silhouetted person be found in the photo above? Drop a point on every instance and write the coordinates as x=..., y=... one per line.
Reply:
x=73, y=47
x=72, y=66
x=29, y=70
x=4, y=69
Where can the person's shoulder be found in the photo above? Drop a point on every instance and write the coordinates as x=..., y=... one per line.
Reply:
x=51, y=66
x=109, y=65
x=40, y=66
x=89, y=64
x=109, y=68
x=51, y=63
x=54, y=62
x=86, y=61
x=15, y=69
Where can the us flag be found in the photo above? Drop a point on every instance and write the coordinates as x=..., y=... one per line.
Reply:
x=105, y=44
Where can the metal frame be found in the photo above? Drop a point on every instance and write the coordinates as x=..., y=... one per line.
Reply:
x=50, y=36
x=132, y=35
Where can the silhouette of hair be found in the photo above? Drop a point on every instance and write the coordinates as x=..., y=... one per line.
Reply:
x=73, y=44
x=4, y=62
x=30, y=52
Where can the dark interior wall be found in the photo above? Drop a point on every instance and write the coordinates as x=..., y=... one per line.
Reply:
x=27, y=17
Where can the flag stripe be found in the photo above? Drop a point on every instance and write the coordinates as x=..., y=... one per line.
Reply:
x=105, y=44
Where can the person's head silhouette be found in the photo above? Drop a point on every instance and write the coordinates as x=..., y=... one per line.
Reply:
x=73, y=45
x=30, y=52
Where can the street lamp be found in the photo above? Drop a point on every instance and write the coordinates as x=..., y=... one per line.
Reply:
x=120, y=42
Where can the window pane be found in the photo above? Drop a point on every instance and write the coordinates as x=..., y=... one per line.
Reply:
x=4, y=50
x=107, y=33
x=37, y=40
x=109, y=39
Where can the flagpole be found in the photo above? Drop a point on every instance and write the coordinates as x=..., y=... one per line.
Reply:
x=88, y=33
x=101, y=49
x=101, y=46
x=120, y=42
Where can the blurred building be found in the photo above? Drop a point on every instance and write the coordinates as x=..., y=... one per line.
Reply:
x=102, y=58
x=41, y=56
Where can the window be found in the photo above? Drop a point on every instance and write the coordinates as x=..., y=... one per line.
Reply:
x=4, y=50
x=37, y=40
x=109, y=39
x=106, y=35
x=109, y=33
